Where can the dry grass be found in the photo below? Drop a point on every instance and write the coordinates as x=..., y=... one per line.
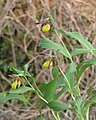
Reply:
x=19, y=45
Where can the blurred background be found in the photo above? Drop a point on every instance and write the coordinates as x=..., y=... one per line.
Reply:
x=19, y=38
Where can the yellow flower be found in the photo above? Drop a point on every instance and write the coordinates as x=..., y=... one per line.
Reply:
x=45, y=27
x=48, y=64
x=14, y=84
x=22, y=79
x=17, y=82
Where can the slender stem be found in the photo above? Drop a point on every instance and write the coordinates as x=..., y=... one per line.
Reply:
x=72, y=96
x=54, y=115
x=87, y=114
x=58, y=116
x=67, y=83
x=30, y=84
x=70, y=59
x=36, y=92
x=80, y=117
x=41, y=98
x=77, y=86
x=63, y=45
x=65, y=78
x=36, y=86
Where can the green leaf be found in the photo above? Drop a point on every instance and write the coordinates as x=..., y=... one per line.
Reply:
x=61, y=82
x=58, y=105
x=51, y=18
x=78, y=104
x=46, y=43
x=89, y=92
x=50, y=90
x=26, y=69
x=88, y=104
x=82, y=66
x=42, y=87
x=41, y=118
x=5, y=97
x=79, y=38
x=2, y=97
x=93, y=99
x=68, y=79
x=21, y=89
x=16, y=71
x=55, y=73
x=63, y=90
x=16, y=96
x=80, y=51
x=70, y=74
x=86, y=108
x=76, y=92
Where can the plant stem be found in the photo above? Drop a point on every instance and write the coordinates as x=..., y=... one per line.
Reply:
x=54, y=115
x=36, y=92
x=65, y=78
x=63, y=45
x=67, y=83
x=77, y=86
x=37, y=87
x=41, y=98
x=34, y=84
x=58, y=116
x=80, y=117
x=87, y=114
x=72, y=96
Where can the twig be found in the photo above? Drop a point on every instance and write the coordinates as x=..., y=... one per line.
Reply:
x=4, y=78
x=4, y=13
